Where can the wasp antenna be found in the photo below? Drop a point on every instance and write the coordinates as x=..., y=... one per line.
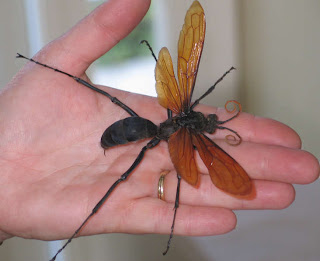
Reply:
x=232, y=111
x=235, y=116
x=150, y=48
x=196, y=102
x=230, y=139
x=236, y=106
x=19, y=56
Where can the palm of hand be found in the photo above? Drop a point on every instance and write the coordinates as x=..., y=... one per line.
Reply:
x=51, y=129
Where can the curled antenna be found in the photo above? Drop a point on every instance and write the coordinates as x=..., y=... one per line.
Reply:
x=150, y=48
x=236, y=106
x=231, y=139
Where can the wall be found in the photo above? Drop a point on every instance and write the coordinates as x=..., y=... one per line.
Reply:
x=281, y=60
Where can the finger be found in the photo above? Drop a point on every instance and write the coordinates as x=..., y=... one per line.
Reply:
x=149, y=215
x=95, y=35
x=263, y=162
x=255, y=129
x=263, y=130
x=270, y=162
x=268, y=195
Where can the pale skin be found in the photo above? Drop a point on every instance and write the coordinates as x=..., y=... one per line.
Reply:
x=53, y=170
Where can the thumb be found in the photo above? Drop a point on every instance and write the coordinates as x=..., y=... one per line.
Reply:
x=94, y=35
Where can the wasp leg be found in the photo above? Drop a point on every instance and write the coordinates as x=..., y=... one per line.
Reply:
x=176, y=205
x=154, y=142
x=83, y=82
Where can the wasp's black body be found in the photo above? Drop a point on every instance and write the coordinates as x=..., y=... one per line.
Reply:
x=137, y=128
x=192, y=120
x=128, y=130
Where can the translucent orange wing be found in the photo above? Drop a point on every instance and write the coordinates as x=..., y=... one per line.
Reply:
x=190, y=47
x=169, y=95
x=182, y=155
x=225, y=172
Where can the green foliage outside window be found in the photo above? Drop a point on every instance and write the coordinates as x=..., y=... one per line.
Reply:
x=129, y=47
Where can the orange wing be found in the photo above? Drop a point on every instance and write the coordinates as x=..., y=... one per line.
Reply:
x=182, y=155
x=170, y=95
x=226, y=174
x=190, y=47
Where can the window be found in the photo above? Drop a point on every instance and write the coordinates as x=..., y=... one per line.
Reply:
x=128, y=66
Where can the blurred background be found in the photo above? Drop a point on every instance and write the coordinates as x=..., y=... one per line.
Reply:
x=275, y=46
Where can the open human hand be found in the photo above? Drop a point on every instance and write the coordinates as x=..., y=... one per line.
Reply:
x=54, y=170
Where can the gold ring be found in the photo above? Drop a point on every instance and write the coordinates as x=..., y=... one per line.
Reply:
x=161, y=185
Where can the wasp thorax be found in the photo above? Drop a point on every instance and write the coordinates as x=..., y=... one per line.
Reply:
x=193, y=120
x=167, y=128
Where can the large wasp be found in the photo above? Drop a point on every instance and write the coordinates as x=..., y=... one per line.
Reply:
x=184, y=129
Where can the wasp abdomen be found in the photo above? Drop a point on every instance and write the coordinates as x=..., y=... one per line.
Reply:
x=128, y=130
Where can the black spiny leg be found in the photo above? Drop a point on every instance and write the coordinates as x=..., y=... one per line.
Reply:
x=169, y=112
x=154, y=142
x=79, y=80
x=176, y=205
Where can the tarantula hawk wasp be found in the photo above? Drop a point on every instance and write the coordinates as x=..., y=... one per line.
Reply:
x=184, y=132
